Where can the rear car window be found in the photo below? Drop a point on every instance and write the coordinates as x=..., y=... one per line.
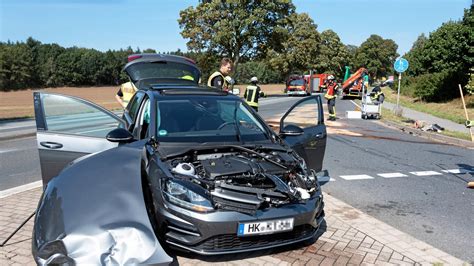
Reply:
x=163, y=69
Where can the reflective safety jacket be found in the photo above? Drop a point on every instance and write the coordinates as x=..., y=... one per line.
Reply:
x=224, y=86
x=375, y=93
x=374, y=96
x=128, y=90
x=251, y=95
x=331, y=91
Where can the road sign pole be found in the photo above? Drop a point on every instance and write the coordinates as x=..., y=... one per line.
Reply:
x=400, y=65
x=398, y=94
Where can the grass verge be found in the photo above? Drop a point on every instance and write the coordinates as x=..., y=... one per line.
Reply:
x=452, y=110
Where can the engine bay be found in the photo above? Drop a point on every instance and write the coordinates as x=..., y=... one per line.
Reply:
x=246, y=180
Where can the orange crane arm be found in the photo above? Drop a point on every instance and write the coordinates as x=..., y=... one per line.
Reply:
x=357, y=75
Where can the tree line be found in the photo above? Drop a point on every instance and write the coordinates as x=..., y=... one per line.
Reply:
x=264, y=38
x=32, y=64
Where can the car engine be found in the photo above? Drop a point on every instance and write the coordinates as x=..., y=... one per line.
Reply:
x=246, y=180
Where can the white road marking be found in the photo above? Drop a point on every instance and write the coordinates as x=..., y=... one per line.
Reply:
x=457, y=171
x=355, y=104
x=13, y=127
x=425, y=173
x=8, y=150
x=15, y=190
x=332, y=179
x=391, y=175
x=356, y=177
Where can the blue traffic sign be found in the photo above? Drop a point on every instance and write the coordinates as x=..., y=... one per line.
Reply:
x=401, y=65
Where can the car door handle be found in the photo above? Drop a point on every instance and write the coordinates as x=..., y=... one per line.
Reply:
x=319, y=136
x=51, y=145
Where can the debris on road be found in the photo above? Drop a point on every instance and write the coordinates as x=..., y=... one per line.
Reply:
x=418, y=124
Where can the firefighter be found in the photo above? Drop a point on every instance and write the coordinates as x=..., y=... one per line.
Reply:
x=252, y=93
x=376, y=95
x=331, y=97
x=221, y=79
x=125, y=93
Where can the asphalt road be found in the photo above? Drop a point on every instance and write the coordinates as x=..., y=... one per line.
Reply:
x=19, y=163
x=416, y=195
x=400, y=179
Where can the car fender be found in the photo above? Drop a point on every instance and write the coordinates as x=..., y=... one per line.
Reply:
x=95, y=210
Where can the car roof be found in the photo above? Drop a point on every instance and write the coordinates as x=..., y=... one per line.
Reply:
x=164, y=91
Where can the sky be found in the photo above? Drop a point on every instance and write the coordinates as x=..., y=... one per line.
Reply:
x=115, y=24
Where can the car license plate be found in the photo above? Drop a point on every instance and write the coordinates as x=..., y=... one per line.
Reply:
x=265, y=227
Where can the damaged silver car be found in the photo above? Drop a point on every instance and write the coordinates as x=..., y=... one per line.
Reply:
x=188, y=167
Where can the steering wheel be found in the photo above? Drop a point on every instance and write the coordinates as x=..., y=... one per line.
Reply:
x=226, y=124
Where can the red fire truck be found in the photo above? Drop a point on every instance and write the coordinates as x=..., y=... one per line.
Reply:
x=305, y=84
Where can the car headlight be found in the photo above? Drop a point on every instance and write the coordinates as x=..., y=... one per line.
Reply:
x=178, y=193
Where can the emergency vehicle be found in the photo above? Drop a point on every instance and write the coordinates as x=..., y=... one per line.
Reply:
x=305, y=84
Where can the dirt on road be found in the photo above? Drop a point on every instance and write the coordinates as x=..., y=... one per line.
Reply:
x=18, y=104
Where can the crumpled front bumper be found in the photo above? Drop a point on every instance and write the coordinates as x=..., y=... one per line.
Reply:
x=216, y=233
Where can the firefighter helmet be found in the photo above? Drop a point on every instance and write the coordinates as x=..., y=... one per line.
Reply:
x=254, y=79
x=331, y=77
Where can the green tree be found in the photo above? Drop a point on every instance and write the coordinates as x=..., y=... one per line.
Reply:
x=300, y=44
x=377, y=55
x=16, y=66
x=234, y=28
x=47, y=55
x=259, y=69
x=415, y=56
x=149, y=50
x=448, y=48
x=351, y=50
x=333, y=54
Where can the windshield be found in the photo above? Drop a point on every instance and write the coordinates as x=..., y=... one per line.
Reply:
x=206, y=119
x=297, y=82
x=163, y=69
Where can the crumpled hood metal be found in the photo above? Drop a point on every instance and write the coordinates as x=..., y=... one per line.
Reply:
x=96, y=207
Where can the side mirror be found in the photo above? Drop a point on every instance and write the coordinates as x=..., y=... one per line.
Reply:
x=120, y=135
x=291, y=130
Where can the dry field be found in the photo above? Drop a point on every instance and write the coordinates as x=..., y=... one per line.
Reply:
x=18, y=104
